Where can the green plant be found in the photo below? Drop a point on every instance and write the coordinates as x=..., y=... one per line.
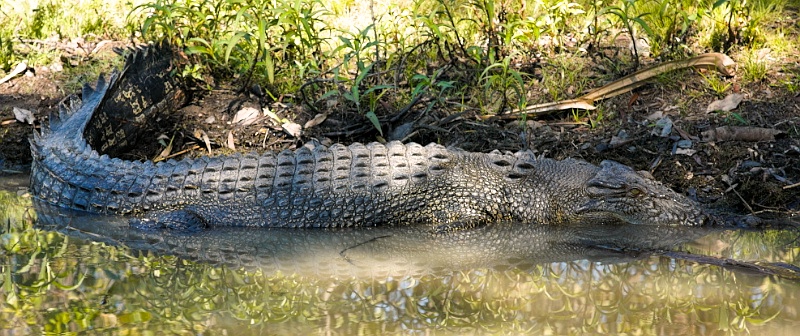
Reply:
x=250, y=38
x=735, y=119
x=501, y=77
x=672, y=24
x=755, y=66
x=555, y=19
x=357, y=50
x=42, y=18
x=716, y=84
x=625, y=14
x=743, y=21
x=792, y=83
x=7, y=56
x=563, y=76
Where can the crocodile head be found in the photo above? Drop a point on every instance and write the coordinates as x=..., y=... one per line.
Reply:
x=617, y=193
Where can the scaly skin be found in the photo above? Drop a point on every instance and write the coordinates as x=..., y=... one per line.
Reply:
x=316, y=186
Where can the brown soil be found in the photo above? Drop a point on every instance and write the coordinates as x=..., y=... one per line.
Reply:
x=742, y=176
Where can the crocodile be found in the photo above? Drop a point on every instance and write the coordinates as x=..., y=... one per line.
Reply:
x=356, y=185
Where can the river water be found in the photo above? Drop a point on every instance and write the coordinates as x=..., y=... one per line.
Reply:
x=69, y=272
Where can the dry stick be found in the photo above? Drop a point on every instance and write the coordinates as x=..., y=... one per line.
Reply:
x=176, y=154
x=717, y=61
x=743, y=201
x=791, y=186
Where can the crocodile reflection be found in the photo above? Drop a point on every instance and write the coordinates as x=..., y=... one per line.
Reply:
x=376, y=251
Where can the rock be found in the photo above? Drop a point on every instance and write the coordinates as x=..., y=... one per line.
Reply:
x=663, y=127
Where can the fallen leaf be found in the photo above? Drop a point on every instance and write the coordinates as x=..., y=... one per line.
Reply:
x=655, y=116
x=736, y=133
x=729, y=103
x=318, y=119
x=20, y=68
x=274, y=116
x=230, y=144
x=685, y=151
x=166, y=152
x=201, y=134
x=246, y=116
x=24, y=115
x=292, y=129
x=618, y=141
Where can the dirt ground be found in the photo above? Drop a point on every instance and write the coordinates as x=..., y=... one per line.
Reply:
x=760, y=177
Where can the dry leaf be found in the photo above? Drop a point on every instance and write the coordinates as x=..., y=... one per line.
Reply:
x=229, y=143
x=685, y=151
x=164, y=153
x=20, y=68
x=318, y=119
x=292, y=129
x=24, y=115
x=246, y=116
x=655, y=116
x=201, y=134
x=729, y=103
x=618, y=141
x=735, y=133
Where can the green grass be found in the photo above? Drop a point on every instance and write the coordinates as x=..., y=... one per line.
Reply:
x=367, y=54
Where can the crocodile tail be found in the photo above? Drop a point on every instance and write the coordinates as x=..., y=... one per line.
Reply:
x=73, y=115
x=144, y=88
x=67, y=169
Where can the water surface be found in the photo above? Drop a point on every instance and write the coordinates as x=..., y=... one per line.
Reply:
x=64, y=271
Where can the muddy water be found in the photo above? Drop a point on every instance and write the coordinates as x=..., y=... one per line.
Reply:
x=65, y=271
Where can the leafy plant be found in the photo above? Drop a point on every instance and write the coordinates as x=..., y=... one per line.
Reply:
x=356, y=48
x=754, y=68
x=42, y=19
x=718, y=85
x=555, y=21
x=735, y=119
x=7, y=56
x=245, y=37
x=625, y=14
x=502, y=77
x=672, y=23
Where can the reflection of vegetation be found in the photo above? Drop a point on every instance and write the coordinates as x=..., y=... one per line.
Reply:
x=52, y=283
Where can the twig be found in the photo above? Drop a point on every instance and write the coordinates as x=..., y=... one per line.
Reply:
x=717, y=61
x=743, y=201
x=176, y=154
x=791, y=186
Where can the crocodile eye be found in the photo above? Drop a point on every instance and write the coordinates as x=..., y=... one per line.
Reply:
x=635, y=192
